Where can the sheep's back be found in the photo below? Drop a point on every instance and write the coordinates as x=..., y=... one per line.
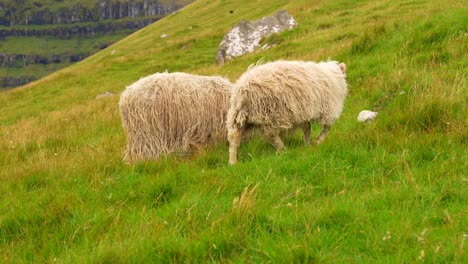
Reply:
x=285, y=93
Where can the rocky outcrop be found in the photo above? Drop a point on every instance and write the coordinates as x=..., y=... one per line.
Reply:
x=245, y=36
x=13, y=14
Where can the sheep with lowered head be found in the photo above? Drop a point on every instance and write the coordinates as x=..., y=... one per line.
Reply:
x=168, y=112
x=284, y=95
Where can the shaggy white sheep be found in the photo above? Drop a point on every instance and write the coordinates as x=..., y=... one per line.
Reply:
x=284, y=95
x=168, y=112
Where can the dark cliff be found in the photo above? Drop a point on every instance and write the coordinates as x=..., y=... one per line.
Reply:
x=22, y=12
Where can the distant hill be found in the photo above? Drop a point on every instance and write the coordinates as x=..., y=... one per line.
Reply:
x=39, y=37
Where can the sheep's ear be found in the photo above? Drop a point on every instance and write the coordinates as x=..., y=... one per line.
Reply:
x=342, y=67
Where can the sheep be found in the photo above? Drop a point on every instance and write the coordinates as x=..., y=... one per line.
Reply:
x=284, y=95
x=170, y=112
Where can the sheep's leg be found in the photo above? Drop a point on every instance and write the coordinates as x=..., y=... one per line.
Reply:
x=235, y=137
x=275, y=139
x=322, y=134
x=307, y=129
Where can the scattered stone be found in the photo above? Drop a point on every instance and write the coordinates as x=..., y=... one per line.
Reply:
x=366, y=116
x=105, y=95
x=245, y=36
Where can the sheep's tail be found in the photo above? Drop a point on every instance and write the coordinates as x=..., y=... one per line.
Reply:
x=237, y=115
x=241, y=117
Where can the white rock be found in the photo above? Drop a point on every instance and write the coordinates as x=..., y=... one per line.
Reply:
x=245, y=36
x=366, y=116
x=163, y=36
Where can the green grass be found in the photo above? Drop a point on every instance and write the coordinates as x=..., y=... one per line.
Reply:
x=391, y=191
x=48, y=45
x=36, y=70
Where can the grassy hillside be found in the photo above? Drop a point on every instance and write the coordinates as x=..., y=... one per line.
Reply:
x=390, y=191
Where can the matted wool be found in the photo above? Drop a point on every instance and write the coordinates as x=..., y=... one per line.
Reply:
x=170, y=112
x=284, y=95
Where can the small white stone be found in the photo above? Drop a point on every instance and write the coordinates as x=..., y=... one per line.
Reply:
x=366, y=116
x=163, y=36
x=104, y=95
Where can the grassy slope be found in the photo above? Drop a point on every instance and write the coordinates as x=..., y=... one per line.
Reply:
x=390, y=191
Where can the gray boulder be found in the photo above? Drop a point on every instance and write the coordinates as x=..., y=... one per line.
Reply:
x=245, y=36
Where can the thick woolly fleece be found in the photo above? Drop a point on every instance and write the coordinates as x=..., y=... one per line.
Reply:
x=170, y=112
x=284, y=95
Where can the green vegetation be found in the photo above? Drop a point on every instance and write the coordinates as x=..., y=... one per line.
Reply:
x=391, y=191
x=37, y=69
x=48, y=45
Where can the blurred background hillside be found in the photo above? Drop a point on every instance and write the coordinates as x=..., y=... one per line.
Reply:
x=40, y=37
